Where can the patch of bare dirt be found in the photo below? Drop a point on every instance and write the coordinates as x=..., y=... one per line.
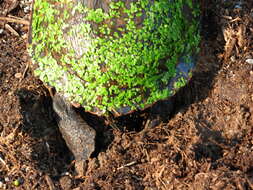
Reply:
x=205, y=144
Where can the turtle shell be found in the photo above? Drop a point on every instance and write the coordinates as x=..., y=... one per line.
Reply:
x=114, y=56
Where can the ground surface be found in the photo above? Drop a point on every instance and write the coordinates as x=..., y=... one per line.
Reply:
x=206, y=143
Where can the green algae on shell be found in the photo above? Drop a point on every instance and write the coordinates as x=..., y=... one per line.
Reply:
x=113, y=55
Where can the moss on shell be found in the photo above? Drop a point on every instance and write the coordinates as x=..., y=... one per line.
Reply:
x=103, y=65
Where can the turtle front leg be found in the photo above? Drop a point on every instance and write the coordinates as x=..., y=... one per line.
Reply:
x=79, y=136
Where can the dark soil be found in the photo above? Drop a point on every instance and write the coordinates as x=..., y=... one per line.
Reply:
x=206, y=142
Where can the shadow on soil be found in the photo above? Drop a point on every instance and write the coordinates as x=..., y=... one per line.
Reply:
x=50, y=152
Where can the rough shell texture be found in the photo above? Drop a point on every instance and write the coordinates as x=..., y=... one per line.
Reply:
x=114, y=56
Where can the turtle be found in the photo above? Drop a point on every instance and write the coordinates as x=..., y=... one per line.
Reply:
x=112, y=57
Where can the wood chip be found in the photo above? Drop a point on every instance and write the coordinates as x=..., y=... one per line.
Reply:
x=50, y=182
x=127, y=165
x=15, y=20
x=10, y=29
x=25, y=71
x=13, y=5
x=18, y=75
x=229, y=36
x=241, y=35
x=249, y=61
x=4, y=163
x=236, y=19
x=227, y=17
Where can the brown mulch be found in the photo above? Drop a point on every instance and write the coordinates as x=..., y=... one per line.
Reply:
x=205, y=144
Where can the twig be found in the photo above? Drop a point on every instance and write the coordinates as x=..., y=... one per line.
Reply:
x=236, y=19
x=8, y=27
x=147, y=124
x=25, y=71
x=15, y=17
x=15, y=20
x=227, y=17
x=146, y=152
x=4, y=163
x=127, y=165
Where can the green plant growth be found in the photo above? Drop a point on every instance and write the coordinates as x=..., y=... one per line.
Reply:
x=91, y=59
